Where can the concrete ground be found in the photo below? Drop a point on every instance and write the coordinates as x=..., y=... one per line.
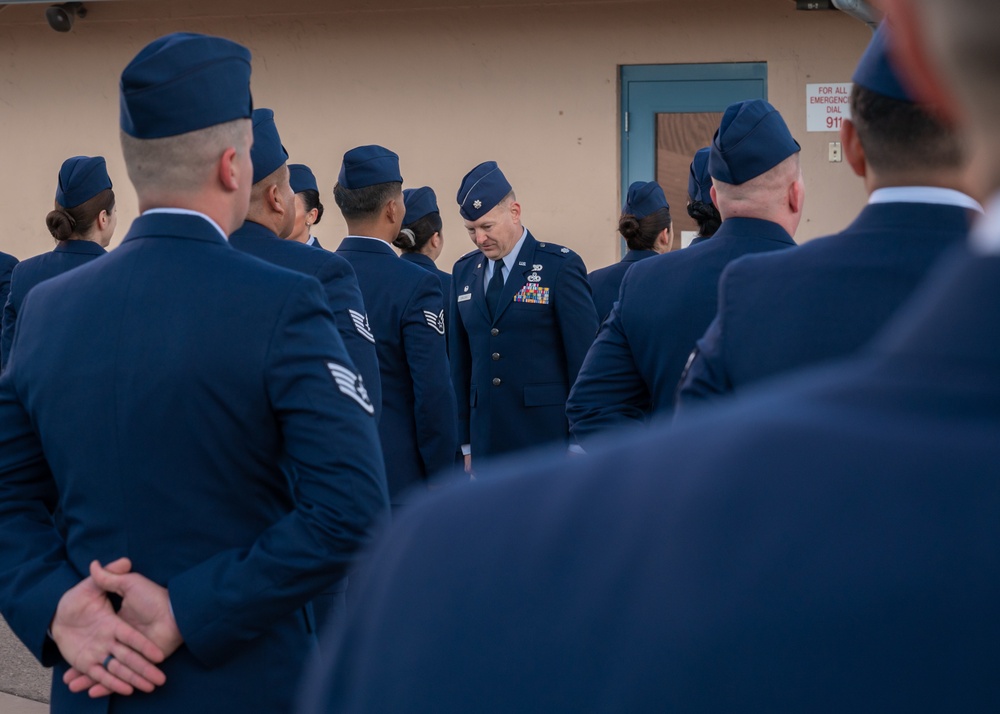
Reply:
x=24, y=684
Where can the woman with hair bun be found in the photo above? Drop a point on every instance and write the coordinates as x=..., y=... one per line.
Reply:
x=700, y=206
x=420, y=238
x=82, y=222
x=647, y=228
x=308, y=208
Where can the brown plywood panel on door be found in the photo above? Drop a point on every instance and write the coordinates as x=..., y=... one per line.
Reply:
x=678, y=137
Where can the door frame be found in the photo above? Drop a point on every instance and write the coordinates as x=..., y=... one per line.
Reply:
x=648, y=90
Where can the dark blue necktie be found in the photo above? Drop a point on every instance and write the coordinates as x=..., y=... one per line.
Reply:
x=495, y=287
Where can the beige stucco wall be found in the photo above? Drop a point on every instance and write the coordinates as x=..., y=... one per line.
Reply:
x=445, y=83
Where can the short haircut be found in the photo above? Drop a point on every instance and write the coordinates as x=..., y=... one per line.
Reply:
x=901, y=136
x=259, y=189
x=761, y=193
x=182, y=163
x=365, y=202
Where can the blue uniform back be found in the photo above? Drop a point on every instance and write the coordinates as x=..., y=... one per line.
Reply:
x=802, y=550
x=664, y=306
x=342, y=291
x=606, y=283
x=28, y=273
x=406, y=312
x=821, y=301
x=186, y=381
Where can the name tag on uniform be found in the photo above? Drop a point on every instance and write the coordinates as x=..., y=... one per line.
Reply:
x=534, y=294
x=466, y=296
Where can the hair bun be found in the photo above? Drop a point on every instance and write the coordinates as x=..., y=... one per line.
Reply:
x=406, y=239
x=60, y=224
x=628, y=226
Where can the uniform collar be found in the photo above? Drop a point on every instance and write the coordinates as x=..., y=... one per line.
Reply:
x=634, y=255
x=186, y=212
x=985, y=238
x=252, y=228
x=924, y=194
x=509, y=260
x=367, y=244
x=82, y=247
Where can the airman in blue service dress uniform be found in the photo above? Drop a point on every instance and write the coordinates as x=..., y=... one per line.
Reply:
x=518, y=336
x=700, y=205
x=667, y=302
x=423, y=247
x=829, y=546
x=407, y=314
x=646, y=221
x=82, y=226
x=306, y=191
x=270, y=221
x=7, y=263
x=186, y=377
x=828, y=297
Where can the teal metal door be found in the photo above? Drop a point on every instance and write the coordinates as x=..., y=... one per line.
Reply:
x=681, y=101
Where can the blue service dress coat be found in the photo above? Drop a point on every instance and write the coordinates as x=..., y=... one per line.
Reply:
x=27, y=274
x=7, y=263
x=830, y=546
x=425, y=262
x=512, y=372
x=821, y=301
x=342, y=291
x=187, y=378
x=664, y=306
x=406, y=311
x=605, y=283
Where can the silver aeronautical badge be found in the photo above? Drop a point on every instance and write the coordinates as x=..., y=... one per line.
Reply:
x=534, y=278
x=536, y=267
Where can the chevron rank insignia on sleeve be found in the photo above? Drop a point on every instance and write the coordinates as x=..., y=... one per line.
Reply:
x=352, y=385
x=361, y=323
x=435, y=320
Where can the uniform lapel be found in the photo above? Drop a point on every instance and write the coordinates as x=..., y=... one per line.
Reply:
x=478, y=291
x=518, y=276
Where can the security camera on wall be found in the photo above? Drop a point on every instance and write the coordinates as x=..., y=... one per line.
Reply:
x=62, y=17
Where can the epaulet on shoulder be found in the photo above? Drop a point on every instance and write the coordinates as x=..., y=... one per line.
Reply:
x=555, y=249
x=468, y=255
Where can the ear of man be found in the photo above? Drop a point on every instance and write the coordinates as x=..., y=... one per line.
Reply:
x=854, y=152
x=228, y=172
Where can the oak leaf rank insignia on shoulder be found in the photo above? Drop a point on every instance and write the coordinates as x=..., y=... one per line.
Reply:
x=351, y=385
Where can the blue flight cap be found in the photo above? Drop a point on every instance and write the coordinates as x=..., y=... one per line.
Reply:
x=752, y=138
x=302, y=179
x=644, y=198
x=267, y=153
x=419, y=203
x=699, y=182
x=481, y=190
x=184, y=82
x=875, y=71
x=80, y=179
x=369, y=166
